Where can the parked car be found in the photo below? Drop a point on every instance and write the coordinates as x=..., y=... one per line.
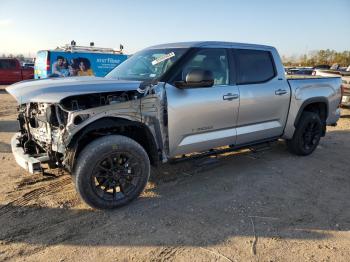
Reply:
x=167, y=101
x=72, y=60
x=26, y=64
x=322, y=67
x=11, y=71
x=346, y=91
x=299, y=71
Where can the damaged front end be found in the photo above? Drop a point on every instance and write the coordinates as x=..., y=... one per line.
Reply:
x=53, y=131
x=47, y=128
x=39, y=131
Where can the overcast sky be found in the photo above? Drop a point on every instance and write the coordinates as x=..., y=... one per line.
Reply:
x=294, y=27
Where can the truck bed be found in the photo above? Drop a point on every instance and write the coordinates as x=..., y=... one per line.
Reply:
x=306, y=89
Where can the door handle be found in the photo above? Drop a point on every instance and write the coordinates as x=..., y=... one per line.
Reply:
x=230, y=96
x=280, y=92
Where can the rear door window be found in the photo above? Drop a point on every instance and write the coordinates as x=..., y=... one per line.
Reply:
x=7, y=64
x=254, y=66
x=12, y=64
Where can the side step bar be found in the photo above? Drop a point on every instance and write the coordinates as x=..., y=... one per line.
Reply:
x=255, y=147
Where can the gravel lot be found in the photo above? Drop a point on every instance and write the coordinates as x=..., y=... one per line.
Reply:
x=264, y=206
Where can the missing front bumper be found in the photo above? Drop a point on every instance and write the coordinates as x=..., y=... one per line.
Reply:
x=29, y=163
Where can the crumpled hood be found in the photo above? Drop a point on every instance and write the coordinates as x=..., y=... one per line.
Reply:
x=53, y=90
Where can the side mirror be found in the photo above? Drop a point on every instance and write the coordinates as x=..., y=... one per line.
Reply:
x=197, y=78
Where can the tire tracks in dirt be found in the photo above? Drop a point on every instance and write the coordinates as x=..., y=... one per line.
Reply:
x=166, y=254
x=35, y=194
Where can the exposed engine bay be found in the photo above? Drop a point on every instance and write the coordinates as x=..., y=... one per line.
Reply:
x=82, y=102
x=45, y=127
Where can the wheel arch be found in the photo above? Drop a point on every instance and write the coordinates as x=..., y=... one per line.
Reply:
x=135, y=130
x=317, y=105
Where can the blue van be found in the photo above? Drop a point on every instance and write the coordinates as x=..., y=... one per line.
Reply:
x=76, y=61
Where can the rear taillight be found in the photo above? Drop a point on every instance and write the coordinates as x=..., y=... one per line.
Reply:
x=48, y=63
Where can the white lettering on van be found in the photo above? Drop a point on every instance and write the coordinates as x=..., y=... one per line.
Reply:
x=108, y=60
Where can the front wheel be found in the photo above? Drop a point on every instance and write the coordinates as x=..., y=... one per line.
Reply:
x=307, y=134
x=111, y=171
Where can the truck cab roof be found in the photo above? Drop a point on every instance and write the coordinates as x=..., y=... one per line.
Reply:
x=210, y=44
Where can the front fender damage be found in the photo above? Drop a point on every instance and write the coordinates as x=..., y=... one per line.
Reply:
x=147, y=111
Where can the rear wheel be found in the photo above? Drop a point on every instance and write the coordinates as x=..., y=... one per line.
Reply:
x=111, y=171
x=307, y=134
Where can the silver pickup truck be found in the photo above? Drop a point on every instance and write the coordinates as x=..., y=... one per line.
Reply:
x=166, y=101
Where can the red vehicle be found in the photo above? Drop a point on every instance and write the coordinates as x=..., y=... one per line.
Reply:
x=11, y=71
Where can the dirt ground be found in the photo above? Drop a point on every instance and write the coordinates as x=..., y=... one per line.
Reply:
x=263, y=206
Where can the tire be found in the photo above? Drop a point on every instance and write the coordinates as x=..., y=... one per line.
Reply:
x=307, y=134
x=111, y=171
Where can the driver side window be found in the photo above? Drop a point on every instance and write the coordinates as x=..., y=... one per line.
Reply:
x=212, y=59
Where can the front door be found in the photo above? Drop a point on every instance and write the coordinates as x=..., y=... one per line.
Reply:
x=203, y=118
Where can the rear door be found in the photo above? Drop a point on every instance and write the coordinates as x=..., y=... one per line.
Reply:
x=203, y=118
x=264, y=96
x=42, y=65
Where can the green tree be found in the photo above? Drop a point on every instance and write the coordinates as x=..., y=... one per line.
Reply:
x=319, y=57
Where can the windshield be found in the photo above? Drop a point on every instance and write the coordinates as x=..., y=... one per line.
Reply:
x=148, y=64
